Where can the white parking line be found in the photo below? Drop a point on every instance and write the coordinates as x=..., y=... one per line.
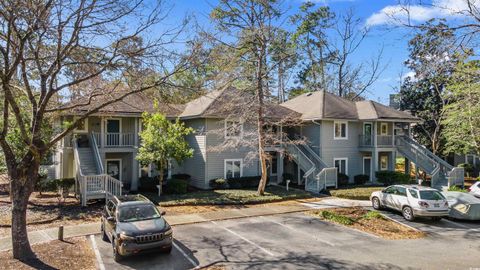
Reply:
x=245, y=239
x=195, y=265
x=298, y=231
x=101, y=266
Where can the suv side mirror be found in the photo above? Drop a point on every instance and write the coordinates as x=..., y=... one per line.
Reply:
x=111, y=219
x=162, y=213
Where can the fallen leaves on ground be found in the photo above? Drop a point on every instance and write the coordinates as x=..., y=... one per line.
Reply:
x=74, y=253
x=365, y=220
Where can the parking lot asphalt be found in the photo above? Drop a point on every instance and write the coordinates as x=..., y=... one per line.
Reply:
x=299, y=241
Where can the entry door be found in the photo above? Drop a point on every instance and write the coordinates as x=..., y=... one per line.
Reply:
x=114, y=168
x=113, y=132
x=367, y=132
x=367, y=166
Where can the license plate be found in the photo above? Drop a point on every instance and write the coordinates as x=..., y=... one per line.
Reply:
x=436, y=205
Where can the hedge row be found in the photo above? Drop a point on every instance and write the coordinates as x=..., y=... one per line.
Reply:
x=234, y=183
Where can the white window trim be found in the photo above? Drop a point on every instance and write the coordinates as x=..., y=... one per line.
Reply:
x=346, y=130
x=381, y=129
x=371, y=127
x=383, y=168
x=346, y=163
x=225, y=128
x=363, y=167
x=119, y=169
x=232, y=160
x=474, y=158
x=85, y=124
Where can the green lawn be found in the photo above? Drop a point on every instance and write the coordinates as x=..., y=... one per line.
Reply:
x=229, y=196
x=355, y=193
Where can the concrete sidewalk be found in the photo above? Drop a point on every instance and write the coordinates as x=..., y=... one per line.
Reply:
x=50, y=234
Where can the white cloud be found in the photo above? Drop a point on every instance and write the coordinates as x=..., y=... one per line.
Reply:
x=409, y=74
x=397, y=14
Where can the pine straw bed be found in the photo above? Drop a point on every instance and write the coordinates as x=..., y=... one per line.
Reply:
x=368, y=221
x=74, y=253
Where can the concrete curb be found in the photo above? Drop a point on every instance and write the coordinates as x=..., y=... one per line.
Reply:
x=401, y=223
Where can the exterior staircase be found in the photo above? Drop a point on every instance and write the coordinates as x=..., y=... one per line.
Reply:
x=317, y=175
x=90, y=180
x=443, y=174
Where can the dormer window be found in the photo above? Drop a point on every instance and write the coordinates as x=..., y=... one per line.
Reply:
x=340, y=130
x=233, y=129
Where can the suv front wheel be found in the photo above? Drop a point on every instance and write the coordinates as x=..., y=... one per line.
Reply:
x=116, y=256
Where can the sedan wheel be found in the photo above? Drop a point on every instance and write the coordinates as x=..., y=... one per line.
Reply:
x=376, y=203
x=408, y=213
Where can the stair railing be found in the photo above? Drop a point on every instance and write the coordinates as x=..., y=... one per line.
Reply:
x=96, y=154
x=303, y=161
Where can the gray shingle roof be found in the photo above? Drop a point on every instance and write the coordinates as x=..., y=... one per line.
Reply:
x=323, y=105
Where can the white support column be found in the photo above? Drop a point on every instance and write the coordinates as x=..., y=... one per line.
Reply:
x=374, y=131
x=135, y=134
x=280, y=167
x=135, y=170
x=375, y=163
x=102, y=132
x=394, y=160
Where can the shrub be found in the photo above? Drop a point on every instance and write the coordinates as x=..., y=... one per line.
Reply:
x=50, y=185
x=218, y=183
x=373, y=215
x=182, y=176
x=342, y=179
x=148, y=184
x=244, y=182
x=176, y=186
x=390, y=177
x=457, y=188
x=361, y=179
x=337, y=218
x=468, y=168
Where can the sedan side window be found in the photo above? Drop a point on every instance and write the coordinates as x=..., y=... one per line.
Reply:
x=413, y=193
x=401, y=191
x=391, y=190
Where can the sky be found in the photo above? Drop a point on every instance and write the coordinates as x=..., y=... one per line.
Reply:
x=375, y=14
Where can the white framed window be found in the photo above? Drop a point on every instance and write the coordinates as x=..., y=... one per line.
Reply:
x=82, y=126
x=383, y=163
x=471, y=159
x=383, y=129
x=233, y=168
x=341, y=164
x=233, y=129
x=340, y=130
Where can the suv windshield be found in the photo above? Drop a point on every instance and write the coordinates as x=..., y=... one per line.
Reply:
x=431, y=195
x=137, y=212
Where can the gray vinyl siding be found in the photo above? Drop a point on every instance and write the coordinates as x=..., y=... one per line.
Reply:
x=216, y=159
x=195, y=166
x=311, y=132
x=342, y=148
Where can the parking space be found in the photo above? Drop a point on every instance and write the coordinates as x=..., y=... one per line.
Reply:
x=444, y=226
x=296, y=241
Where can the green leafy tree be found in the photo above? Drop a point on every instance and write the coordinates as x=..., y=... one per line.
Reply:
x=163, y=140
x=462, y=114
x=433, y=57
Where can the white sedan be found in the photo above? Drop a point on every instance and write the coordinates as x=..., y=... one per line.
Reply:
x=413, y=201
x=475, y=189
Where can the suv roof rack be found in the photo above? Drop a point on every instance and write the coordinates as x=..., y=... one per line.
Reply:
x=130, y=198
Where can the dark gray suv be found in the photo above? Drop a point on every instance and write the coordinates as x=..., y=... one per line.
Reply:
x=133, y=224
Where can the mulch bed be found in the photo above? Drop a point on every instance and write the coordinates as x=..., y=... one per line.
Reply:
x=379, y=225
x=74, y=253
x=48, y=210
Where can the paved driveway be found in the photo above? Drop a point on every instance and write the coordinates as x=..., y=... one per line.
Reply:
x=298, y=241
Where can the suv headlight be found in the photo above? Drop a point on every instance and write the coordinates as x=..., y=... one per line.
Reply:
x=168, y=232
x=125, y=237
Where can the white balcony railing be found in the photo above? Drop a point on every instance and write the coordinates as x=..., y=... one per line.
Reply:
x=382, y=141
x=115, y=139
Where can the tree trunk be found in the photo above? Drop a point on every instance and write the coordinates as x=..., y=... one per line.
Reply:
x=160, y=177
x=260, y=122
x=21, y=188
